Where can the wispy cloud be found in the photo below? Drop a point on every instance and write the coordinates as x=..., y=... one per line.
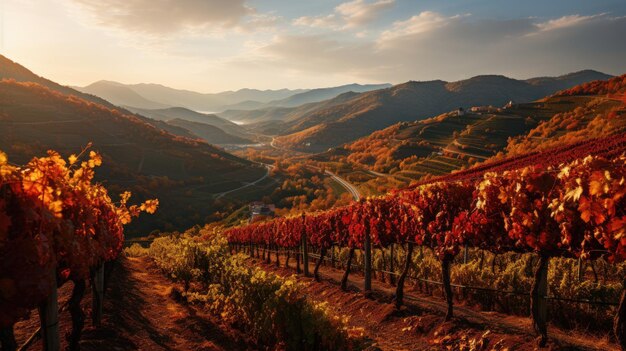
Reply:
x=359, y=12
x=422, y=23
x=163, y=17
x=432, y=46
x=352, y=14
x=566, y=21
x=327, y=21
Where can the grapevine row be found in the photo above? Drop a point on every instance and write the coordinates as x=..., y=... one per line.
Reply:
x=576, y=209
x=56, y=224
x=608, y=147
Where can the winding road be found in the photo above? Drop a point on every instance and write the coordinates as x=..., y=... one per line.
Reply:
x=268, y=168
x=354, y=191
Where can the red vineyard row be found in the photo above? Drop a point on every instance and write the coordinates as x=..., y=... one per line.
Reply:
x=607, y=147
x=54, y=220
x=576, y=209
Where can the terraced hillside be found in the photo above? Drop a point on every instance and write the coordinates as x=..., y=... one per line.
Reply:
x=329, y=125
x=456, y=140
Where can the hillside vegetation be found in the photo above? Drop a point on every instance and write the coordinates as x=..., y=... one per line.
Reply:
x=150, y=162
x=209, y=133
x=318, y=128
x=168, y=114
x=452, y=141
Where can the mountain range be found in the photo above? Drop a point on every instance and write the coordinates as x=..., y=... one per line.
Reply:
x=409, y=151
x=317, y=127
x=37, y=115
x=165, y=151
x=156, y=96
x=181, y=113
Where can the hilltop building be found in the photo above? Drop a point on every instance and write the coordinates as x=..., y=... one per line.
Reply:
x=261, y=209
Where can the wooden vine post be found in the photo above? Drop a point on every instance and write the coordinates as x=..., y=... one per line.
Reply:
x=367, y=256
x=98, y=295
x=392, y=276
x=305, y=255
x=383, y=264
x=447, y=288
x=400, y=287
x=465, y=255
x=580, y=270
x=49, y=317
x=277, y=256
x=78, y=316
x=619, y=323
x=316, y=274
x=298, y=252
x=538, y=303
x=332, y=256
x=344, y=279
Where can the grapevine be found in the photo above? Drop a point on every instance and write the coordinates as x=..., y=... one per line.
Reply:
x=54, y=217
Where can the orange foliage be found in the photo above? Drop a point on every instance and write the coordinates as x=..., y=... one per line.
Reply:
x=597, y=87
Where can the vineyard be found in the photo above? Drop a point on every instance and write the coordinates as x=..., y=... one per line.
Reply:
x=562, y=203
x=271, y=309
x=56, y=225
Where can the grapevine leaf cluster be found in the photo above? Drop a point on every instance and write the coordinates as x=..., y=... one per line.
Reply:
x=55, y=218
x=576, y=209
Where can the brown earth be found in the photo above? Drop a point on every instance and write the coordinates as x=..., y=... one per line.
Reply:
x=141, y=314
x=420, y=324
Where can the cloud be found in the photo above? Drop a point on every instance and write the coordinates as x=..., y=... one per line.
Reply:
x=158, y=17
x=257, y=21
x=348, y=15
x=327, y=21
x=315, y=52
x=566, y=21
x=358, y=12
x=434, y=46
x=422, y=23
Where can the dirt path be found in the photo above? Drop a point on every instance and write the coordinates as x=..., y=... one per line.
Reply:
x=420, y=326
x=140, y=314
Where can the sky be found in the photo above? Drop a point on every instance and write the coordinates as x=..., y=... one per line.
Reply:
x=218, y=45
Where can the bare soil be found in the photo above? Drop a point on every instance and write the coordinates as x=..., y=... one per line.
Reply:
x=140, y=313
x=420, y=324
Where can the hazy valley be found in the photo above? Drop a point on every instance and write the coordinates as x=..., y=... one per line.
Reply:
x=342, y=175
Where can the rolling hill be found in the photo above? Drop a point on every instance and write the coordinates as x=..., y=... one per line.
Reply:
x=183, y=173
x=154, y=96
x=211, y=134
x=182, y=113
x=321, y=94
x=328, y=125
x=13, y=70
x=269, y=117
x=411, y=151
x=120, y=95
